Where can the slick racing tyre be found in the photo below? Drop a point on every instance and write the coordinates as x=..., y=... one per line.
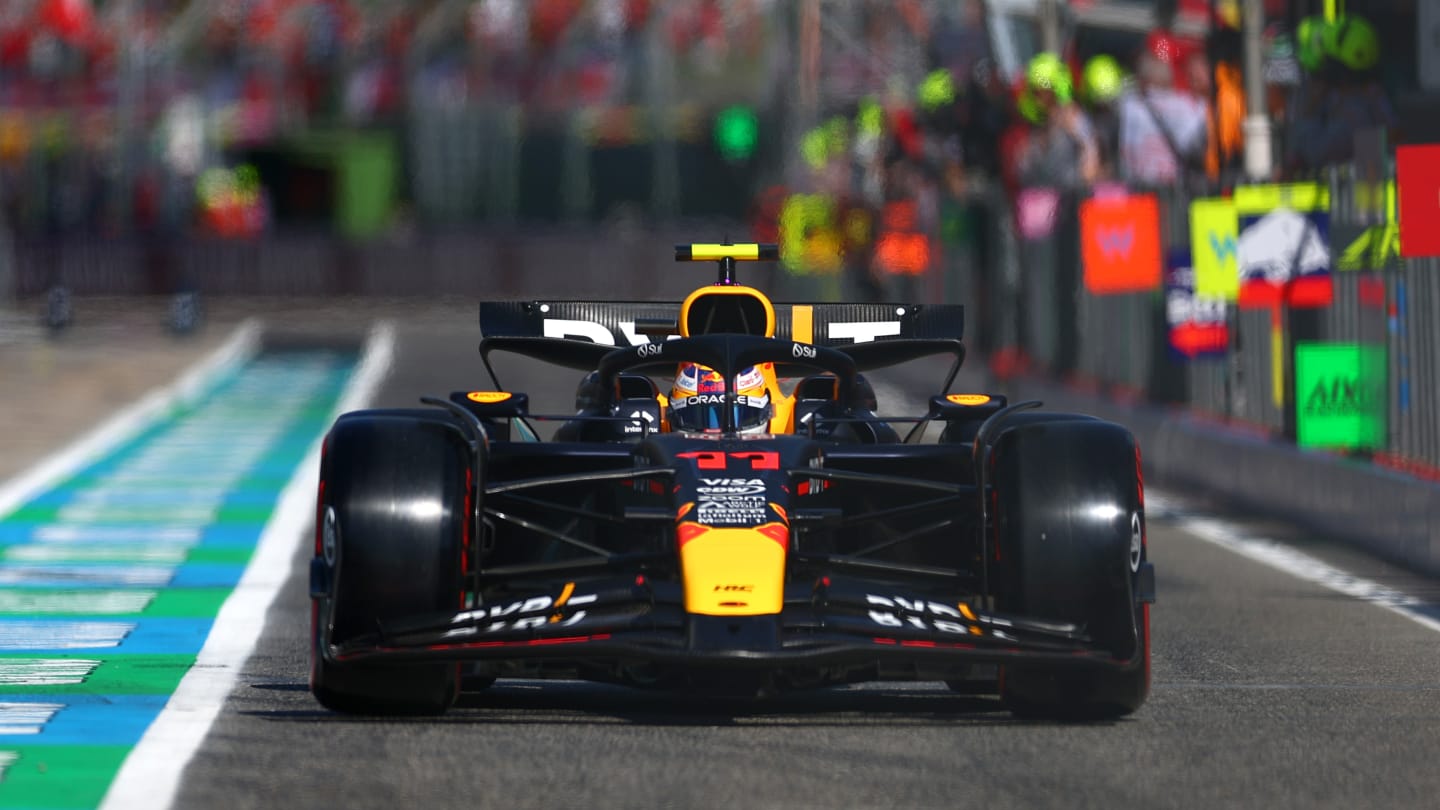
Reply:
x=392, y=522
x=1069, y=535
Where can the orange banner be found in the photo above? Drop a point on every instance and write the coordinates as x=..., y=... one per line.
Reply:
x=901, y=250
x=1120, y=244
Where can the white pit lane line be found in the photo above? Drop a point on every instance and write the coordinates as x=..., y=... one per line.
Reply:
x=151, y=774
x=1292, y=561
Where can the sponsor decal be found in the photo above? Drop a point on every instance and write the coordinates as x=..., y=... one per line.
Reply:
x=968, y=399
x=1196, y=322
x=731, y=502
x=1115, y=243
x=523, y=614
x=650, y=349
x=1340, y=393
x=576, y=329
x=640, y=422
x=595, y=332
x=716, y=460
x=681, y=403
x=863, y=331
x=1120, y=244
x=1283, y=245
x=488, y=397
x=921, y=614
x=732, y=486
x=803, y=351
x=1337, y=396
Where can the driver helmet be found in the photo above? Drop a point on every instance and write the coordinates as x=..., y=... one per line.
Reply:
x=698, y=401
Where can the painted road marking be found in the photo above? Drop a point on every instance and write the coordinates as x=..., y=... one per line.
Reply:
x=88, y=553
x=74, y=719
x=1296, y=563
x=45, y=671
x=151, y=774
x=116, y=565
x=117, y=534
x=94, y=603
x=60, y=576
x=26, y=718
x=128, y=421
x=51, y=635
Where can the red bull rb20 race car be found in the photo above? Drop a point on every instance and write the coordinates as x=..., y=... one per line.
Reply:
x=754, y=526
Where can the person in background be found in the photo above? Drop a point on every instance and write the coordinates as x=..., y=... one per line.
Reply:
x=1342, y=96
x=1102, y=81
x=1225, y=142
x=1162, y=130
x=1059, y=149
x=1175, y=50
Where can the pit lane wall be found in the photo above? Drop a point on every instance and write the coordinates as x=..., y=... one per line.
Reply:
x=1271, y=344
x=1390, y=513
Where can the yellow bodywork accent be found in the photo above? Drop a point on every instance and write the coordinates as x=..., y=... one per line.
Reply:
x=782, y=421
x=802, y=323
x=716, y=289
x=733, y=572
x=1277, y=364
x=565, y=594
x=966, y=611
x=714, y=253
x=559, y=603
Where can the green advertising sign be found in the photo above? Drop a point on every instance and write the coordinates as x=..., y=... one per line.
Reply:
x=1340, y=395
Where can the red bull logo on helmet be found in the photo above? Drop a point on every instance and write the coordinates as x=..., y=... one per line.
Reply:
x=697, y=379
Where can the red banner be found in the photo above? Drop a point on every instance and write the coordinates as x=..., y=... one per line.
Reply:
x=1120, y=244
x=1417, y=170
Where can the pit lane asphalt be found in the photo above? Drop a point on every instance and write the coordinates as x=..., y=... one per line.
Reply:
x=1268, y=692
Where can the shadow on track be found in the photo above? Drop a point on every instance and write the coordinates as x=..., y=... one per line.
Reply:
x=521, y=702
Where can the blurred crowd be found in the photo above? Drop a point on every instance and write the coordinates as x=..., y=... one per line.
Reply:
x=119, y=116
x=1169, y=113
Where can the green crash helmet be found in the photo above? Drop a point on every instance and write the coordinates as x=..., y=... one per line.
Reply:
x=1352, y=41
x=1102, y=80
x=1310, y=42
x=1048, y=72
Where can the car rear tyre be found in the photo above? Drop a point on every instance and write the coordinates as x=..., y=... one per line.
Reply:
x=1069, y=529
x=393, y=521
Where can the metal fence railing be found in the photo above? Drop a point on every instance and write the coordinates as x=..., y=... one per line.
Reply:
x=1386, y=312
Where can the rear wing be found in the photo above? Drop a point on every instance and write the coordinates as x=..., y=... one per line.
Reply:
x=632, y=323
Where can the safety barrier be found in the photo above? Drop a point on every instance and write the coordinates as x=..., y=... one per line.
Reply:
x=1282, y=308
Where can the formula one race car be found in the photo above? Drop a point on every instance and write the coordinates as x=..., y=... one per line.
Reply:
x=757, y=527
